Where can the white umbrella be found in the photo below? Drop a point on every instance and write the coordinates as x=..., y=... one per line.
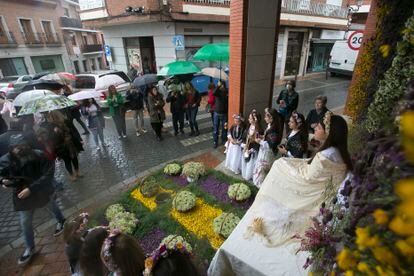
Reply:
x=53, y=77
x=84, y=94
x=105, y=81
x=31, y=95
x=215, y=73
x=45, y=104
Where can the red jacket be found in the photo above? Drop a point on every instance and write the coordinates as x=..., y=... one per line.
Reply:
x=211, y=99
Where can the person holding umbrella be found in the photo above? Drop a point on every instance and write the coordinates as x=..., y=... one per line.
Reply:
x=156, y=110
x=192, y=102
x=177, y=108
x=116, y=102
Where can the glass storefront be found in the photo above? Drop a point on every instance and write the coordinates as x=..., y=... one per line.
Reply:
x=48, y=63
x=13, y=67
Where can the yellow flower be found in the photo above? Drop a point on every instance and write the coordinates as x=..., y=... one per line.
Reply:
x=385, y=50
x=401, y=226
x=405, y=248
x=364, y=240
x=346, y=259
x=364, y=268
x=385, y=256
x=148, y=202
x=332, y=273
x=384, y=272
x=380, y=216
x=349, y=273
x=405, y=209
x=405, y=189
x=179, y=245
x=410, y=240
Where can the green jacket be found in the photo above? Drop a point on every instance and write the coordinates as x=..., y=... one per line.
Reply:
x=119, y=99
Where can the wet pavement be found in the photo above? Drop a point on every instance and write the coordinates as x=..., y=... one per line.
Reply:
x=126, y=158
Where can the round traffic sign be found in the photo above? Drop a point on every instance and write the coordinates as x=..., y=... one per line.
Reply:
x=355, y=40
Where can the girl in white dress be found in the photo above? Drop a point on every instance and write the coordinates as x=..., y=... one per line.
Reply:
x=234, y=149
x=268, y=145
x=251, y=147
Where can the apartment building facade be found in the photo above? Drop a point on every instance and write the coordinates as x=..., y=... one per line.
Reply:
x=148, y=34
x=38, y=36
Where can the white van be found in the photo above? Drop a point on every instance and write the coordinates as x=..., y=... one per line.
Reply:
x=343, y=58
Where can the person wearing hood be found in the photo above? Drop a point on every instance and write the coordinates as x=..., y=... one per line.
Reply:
x=29, y=174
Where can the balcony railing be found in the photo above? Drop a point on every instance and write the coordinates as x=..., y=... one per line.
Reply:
x=91, y=48
x=67, y=22
x=210, y=2
x=309, y=7
x=33, y=39
x=51, y=39
x=7, y=40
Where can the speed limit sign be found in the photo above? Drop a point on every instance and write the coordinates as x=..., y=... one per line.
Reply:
x=355, y=40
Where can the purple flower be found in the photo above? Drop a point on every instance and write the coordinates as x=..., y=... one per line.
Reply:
x=152, y=240
x=178, y=179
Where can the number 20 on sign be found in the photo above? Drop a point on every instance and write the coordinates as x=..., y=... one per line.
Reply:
x=355, y=40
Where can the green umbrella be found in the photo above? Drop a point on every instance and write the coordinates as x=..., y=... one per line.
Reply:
x=45, y=104
x=178, y=68
x=213, y=52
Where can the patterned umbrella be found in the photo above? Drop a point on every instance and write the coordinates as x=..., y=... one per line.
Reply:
x=45, y=104
x=29, y=96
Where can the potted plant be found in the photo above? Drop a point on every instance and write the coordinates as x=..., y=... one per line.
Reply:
x=193, y=170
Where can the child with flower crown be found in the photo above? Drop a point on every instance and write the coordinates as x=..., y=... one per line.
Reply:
x=73, y=235
x=234, y=150
x=122, y=255
x=296, y=144
x=250, y=146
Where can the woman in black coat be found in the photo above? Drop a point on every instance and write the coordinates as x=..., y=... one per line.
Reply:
x=297, y=140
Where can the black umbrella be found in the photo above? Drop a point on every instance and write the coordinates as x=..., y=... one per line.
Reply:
x=144, y=80
x=42, y=84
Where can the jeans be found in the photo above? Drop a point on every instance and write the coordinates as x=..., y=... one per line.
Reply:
x=120, y=124
x=26, y=221
x=178, y=117
x=220, y=118
x=139, y=119
x=97, y=131
x=192, y=115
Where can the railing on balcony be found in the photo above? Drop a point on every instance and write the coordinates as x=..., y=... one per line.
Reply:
x=90, y=48
x=309, y=7
x=7, y=40
x=67, y=22
x=210, y=2
x=33, y=39
x=51, y=39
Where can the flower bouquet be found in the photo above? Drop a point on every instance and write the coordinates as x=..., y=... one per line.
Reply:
x=172, y=169
x=125, y=222
x=239, y=191
x=193, y=170
x=175, y=241
x=149, y=187
x=225, y=223
x=184, y=201
x=113, y=210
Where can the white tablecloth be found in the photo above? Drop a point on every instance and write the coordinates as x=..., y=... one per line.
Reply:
x=238, y=256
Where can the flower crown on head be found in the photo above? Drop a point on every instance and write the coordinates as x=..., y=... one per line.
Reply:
x=295, y=116
x=106, y=255
x=85, y=219
x=238, y=117
x=162, y=252
x=327, y=122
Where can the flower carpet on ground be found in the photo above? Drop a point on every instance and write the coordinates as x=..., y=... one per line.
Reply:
x=158, y=219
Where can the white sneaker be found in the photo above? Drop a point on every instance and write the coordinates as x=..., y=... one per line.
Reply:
x=138, y=134
x=98, y=148
x=119, y=137
x=144, y=130
x=26, y=256
x=124, y=136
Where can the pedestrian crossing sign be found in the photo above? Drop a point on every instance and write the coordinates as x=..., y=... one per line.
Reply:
x=178, y=41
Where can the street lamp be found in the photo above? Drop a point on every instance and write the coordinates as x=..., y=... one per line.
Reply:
x=351, y=11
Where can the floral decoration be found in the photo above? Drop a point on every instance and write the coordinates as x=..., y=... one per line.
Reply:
x=225, y=224
x=125, y=222
x=114, y=210
x=239, y=191
x=184, y=201
x=176, y=241
x=149, y=187
x=194, y=170
x=172, y=169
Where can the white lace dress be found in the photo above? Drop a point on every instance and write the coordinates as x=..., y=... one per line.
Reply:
x=247, y=167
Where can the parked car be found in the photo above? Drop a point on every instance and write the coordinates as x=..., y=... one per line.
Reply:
x=342, y=60
x=10, y=85
x=100, y=81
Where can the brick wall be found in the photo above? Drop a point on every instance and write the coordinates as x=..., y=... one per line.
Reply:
x=369, y=32
x=12, y=10
x=238, y=15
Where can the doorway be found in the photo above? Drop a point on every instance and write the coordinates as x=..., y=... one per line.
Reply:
x=319, y=56
x=293, y=53
x=141, y=54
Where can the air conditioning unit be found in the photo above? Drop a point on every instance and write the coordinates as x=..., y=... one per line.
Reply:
x=164, y=2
